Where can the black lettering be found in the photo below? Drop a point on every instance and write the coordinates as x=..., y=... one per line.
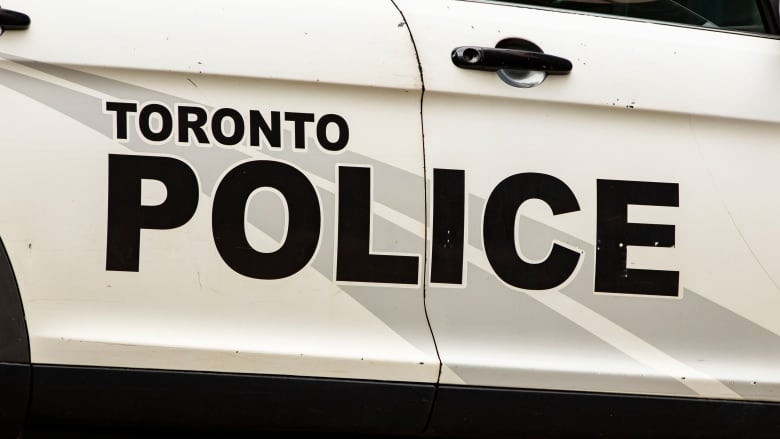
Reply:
x=121, y=109
x=273, y=133
x=145, y=122
x=614, y=234
x=498, y=231
x=304, y=219
x=322, y=132
x=354, y=260
x=300, y=120
x=448, y=226
x=185, y=124
x=217, y=126
x=126, y=215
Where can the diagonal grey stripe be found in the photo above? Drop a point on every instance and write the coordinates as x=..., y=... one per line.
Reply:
x=693, y=329
x=112, y=87
x=397, y=184
x=550, y=351
x=399, y=308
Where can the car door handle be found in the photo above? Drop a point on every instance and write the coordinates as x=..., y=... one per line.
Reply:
x=494, y=59
x=12, y=20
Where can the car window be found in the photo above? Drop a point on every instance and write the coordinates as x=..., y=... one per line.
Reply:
x=739, y=15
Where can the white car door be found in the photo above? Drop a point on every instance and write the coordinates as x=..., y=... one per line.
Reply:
x=233, y=187
x=612, y=228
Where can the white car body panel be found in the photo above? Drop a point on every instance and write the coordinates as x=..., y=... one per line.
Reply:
x=185, y=309
x=644, y=102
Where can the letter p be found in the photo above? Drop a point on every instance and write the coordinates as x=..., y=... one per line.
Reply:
x=127, y=216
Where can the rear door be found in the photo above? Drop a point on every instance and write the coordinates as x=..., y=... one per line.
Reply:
x=612, y=229
x=232, y=187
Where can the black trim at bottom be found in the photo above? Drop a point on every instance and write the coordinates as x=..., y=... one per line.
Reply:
x=511, y=413
x=139, y=398
x=126, y=400
x=14, y=396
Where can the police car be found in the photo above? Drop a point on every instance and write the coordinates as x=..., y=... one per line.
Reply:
x=410, y=217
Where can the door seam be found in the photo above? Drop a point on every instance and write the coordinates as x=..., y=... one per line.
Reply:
x=427, y=215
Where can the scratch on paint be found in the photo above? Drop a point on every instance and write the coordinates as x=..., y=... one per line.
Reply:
x=192, y=82
x=726, y=207
x=747, y=244
x=105, y=343
x=200, y=284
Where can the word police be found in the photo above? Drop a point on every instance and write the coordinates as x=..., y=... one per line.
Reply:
x=156, y=123
x=354, y=260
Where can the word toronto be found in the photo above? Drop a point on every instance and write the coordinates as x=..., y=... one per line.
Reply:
x=157, y=123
